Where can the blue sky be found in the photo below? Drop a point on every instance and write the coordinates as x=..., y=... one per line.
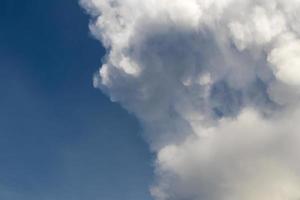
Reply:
x=61, y=138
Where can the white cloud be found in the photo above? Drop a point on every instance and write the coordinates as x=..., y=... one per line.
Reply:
x=216, y=85
x=286, y=60
x=248, y=157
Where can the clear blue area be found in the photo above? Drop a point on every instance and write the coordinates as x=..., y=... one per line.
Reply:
x=61, y=139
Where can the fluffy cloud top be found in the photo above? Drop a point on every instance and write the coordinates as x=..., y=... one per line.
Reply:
x=216, y=86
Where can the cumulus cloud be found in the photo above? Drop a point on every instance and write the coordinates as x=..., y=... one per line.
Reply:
x=216, y=86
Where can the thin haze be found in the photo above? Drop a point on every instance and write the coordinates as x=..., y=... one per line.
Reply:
x=216, y=86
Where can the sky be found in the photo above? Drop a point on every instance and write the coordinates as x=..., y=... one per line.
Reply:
x=152, y=99
x=60, y=138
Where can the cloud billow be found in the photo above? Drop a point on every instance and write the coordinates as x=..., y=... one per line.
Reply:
x=216, y=86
